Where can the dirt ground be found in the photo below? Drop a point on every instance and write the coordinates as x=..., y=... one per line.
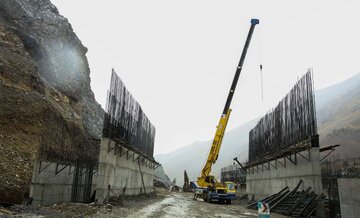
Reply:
x=164, y=204
x=182, y=205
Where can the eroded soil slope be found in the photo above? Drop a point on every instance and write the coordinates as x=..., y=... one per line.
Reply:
x=47, y=108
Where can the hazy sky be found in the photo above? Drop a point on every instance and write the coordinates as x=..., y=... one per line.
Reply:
x=178, y=58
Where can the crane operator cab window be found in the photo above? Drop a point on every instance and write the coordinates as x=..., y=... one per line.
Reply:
x=230, y=186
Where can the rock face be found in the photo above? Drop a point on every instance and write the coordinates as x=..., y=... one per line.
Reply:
x=47, y=108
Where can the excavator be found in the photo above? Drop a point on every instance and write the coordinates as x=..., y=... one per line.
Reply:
x=207, y=187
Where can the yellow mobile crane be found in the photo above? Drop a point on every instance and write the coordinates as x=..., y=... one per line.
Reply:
x=207, y=187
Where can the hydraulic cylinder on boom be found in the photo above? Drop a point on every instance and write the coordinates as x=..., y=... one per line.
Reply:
x=207, y=187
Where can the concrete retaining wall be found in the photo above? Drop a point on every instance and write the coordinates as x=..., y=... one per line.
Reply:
x=264, y=180
x=49, y=186
x=349, y=195
x=123, y=169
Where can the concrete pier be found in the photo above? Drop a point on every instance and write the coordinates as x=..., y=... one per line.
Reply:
x=349, y=195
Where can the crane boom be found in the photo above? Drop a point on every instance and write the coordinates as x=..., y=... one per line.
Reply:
x=220, y=129
x=254, y=22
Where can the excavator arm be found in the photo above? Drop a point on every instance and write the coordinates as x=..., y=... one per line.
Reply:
x=221, y=127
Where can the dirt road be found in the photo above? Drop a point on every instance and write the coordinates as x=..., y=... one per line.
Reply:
x=162, y=205
x=182, y=205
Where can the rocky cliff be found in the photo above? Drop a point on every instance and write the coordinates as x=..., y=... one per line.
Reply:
x=47, y=108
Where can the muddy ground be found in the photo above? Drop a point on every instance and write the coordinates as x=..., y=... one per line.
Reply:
x=163, y=204
x=183, y=205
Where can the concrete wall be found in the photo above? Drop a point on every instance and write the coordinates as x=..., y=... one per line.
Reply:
x=266, y=180
x=349, y=195
x=115, y=171
x=49, y=187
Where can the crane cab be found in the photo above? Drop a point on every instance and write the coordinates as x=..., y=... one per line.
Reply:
x=230, y=187
x=209, y=189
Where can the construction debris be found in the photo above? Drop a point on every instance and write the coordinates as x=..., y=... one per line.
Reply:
x=292, y=203
x=175, y=188
x=160, y=184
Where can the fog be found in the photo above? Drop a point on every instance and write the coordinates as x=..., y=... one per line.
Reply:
x=178, y=58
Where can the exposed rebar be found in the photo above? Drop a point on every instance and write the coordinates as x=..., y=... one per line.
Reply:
x=292, y=121
x=124, y=119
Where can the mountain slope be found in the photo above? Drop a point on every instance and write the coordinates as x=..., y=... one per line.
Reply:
x=193, y=157
x=338, y=114
x=339, y=117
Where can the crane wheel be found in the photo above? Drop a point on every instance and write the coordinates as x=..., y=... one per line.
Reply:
x=206, y=198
